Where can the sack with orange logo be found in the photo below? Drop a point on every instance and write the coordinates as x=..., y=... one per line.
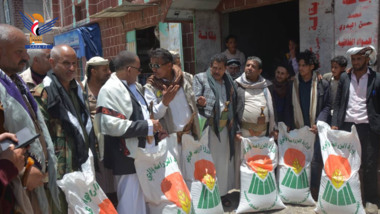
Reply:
x=161, y=180
x=200, y=175
x=258, y=183
x=83, y=193
x=339, y=191
x=295, y=154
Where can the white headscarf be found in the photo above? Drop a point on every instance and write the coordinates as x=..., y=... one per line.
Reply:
x=370, y=53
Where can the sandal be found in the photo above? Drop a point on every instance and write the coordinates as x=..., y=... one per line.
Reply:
x=226, y=202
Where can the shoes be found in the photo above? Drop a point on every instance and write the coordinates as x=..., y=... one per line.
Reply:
x=226, y=202
x=370, y=208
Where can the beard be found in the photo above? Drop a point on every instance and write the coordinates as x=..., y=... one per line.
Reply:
x=359, y=68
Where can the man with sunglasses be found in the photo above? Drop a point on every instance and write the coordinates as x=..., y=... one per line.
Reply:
x=123, y=117
x=172, y=95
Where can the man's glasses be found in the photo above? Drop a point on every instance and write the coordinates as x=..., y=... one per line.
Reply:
x=139, y=69
x=157, y=66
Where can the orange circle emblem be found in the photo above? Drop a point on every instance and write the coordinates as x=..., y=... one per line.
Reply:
x=205, y=172
x=176, y=191
x=338, y=169
x=295, y=159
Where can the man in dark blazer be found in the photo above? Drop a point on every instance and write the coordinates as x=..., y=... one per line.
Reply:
x=358, y=103
x=122, y=116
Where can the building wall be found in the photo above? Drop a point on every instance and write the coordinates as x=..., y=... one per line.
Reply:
x=114, y=30
x=188, y=47
x=236, y=5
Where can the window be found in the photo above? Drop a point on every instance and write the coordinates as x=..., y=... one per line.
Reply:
x=6, y=12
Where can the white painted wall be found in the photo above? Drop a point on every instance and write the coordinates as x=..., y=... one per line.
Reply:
x=207, y=38
x=350, y=23
x=356, y=24
x=317, y=30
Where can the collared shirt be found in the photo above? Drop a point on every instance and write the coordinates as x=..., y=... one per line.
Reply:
x=91, y=100
x=179, y=107
x=221, y=87
x=144, y=107
x=357, y=102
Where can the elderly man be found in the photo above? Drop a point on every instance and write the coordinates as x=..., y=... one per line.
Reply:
x=98, y=72
x=39, y=66
x=60, y=98
x=170, y=90
x=233, y=67
x=123, y=118
x=357, y=103
x=215, y=93
x=19, y=110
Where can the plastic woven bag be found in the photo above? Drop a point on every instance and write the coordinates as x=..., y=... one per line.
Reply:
x=161, y=180
x=339, y=191
x=296, y=150
x=200, y=175
x=258, y=183
x=83, y=193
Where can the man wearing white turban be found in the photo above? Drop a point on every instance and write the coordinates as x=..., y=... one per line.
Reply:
x=358, y=103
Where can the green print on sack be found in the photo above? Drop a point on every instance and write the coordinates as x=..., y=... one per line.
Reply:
x=163, y=164
x=342, y=197
x=259, y=187
x=294, y=181
x=209, y=199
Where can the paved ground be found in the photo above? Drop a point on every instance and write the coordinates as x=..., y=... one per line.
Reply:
x=290, y=209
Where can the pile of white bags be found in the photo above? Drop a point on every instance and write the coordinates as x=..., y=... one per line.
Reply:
x=339, y=191
x=258, y=183
x=295, y=154
x=200, y=175
x=160, y=178
x=83, y=193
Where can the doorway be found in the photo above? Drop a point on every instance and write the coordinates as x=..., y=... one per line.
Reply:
x=264, y=32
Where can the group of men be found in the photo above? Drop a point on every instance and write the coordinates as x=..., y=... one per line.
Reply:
x=112, y=115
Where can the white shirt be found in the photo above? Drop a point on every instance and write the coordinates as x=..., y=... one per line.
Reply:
x=179, y=107
x=254, y=100
x=144, y=107
x=238, y=55
x=357, y=101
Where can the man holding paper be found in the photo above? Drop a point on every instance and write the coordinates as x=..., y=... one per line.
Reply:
x=18, y=110
x=123, y=118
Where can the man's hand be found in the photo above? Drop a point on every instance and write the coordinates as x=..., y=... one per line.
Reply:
x=16, y=156
x=35, y=179
x=274, y=134
x=334, y=128
x=314, y=129
x=238, y=137
x=156, y=126
x=168, y=94
x=201, y=101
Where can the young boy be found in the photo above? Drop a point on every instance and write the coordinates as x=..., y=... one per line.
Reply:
x=338, y=66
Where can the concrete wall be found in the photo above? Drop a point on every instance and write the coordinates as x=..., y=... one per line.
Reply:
x=317, y=30
x=207, y=38
x=330, y=30
x=356, y=24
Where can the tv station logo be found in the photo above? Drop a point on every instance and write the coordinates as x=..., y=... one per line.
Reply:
x=34, y=23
